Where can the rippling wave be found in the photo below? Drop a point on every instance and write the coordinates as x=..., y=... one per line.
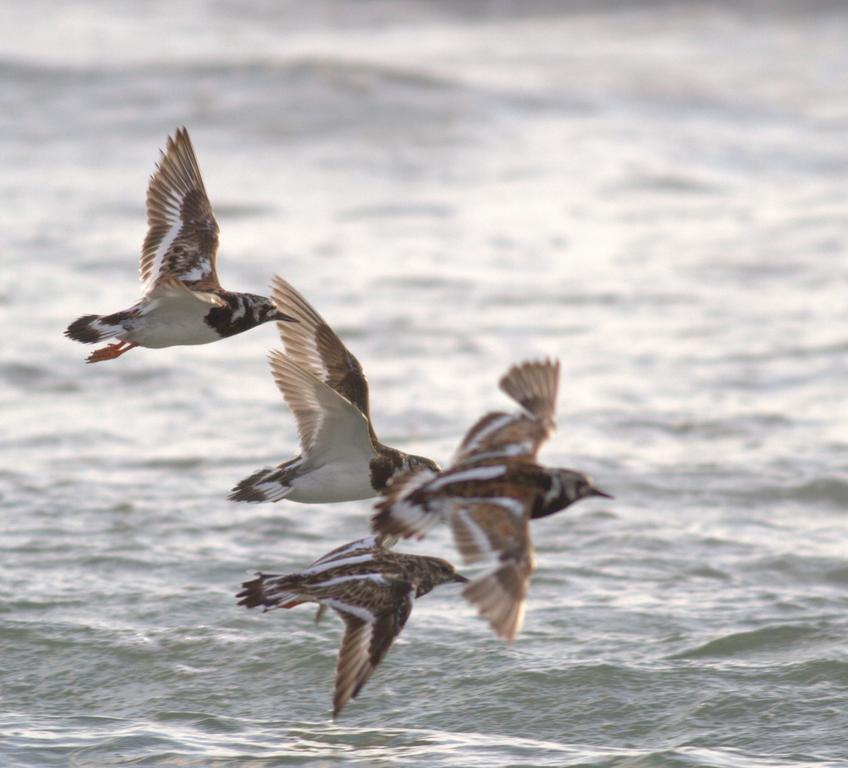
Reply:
x=652, y=192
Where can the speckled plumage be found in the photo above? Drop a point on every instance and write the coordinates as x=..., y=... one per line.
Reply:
x=182, y=301
x=323, y=383
x=370, y=587
x=490, y=492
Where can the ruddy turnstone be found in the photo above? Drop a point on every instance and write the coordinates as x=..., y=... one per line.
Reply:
x=490, y=492
x=182, y=302
x=341, y=458
x=370, y=587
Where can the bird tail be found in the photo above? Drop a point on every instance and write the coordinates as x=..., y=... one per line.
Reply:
x=89, y=329
x=269, y=484
x=533, y=385
x=499, y=597
x=270, y=590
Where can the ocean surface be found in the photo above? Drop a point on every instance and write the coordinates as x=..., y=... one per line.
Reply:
x=656, y=193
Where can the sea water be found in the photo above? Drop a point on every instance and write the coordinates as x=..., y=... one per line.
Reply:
x=654, y=193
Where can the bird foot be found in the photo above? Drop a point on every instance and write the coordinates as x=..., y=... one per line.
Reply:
x=110, y=351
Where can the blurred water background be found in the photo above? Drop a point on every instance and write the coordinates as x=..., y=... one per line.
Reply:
x=655, y=192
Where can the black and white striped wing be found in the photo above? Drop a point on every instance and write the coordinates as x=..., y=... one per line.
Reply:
x=500, y=596
x=182, y=235
x=402, y=511
x=369, y=633
x=501, y=436
x=496, y=527
x=373, y=543
x=362, y=550
x=314, y=346
x=488, y=528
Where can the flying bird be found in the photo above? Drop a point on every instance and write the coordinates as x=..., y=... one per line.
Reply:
x=490, y=492
x=370, y=587
x=323, y=384
x=182, y=301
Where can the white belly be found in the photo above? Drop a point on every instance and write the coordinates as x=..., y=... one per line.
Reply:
x=169, y=322
x=333, y=482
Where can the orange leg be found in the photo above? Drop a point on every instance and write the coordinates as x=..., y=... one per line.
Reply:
x=110, y=351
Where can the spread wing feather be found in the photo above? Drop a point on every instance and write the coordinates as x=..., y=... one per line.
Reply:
x=534, y=386
x=314, y=346
x=500, y=595
x=483, y=528
x=328, y=424
x=182, y=235
x=366, y=642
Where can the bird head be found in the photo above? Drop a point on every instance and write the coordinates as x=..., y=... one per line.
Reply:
x=576, y=486
x=437, y=572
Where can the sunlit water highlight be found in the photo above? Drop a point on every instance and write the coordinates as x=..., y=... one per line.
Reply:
x=653, y=192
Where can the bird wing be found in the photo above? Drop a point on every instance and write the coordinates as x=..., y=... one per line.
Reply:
x=182, y=234
x=314, y=346
x=366, y=544
x=496, y=526
x=399, y=513
x=368, y=636
x=419, y=499
x=170, y=288
x=483, y=528
x=328, y=424
x=534, y=386
x=502, y=435
x=500, y=595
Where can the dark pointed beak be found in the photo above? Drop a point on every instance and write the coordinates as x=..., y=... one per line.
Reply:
x=282, y=317
x=599, y=492
x=459, y=578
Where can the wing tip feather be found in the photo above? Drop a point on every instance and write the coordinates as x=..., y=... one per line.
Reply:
x=500, y=597
x=534, y=385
